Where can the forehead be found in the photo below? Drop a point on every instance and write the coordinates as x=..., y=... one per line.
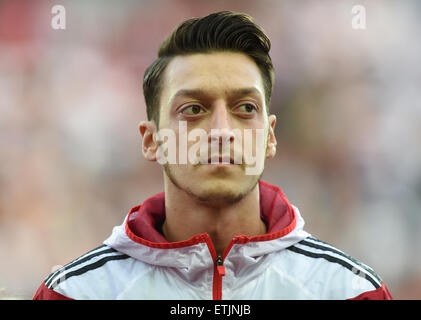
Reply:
x=215, y=72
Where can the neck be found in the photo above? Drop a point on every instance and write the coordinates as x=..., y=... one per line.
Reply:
x=187, y=216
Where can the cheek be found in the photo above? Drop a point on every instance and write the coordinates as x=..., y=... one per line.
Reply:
x=255, y=139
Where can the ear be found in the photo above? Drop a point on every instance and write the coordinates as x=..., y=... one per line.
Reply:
x=271, y=146
x=148, y=131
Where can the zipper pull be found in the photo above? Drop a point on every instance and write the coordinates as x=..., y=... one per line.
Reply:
x=220, y=266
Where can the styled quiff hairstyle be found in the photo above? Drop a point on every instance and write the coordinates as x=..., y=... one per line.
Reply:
x=220, y=31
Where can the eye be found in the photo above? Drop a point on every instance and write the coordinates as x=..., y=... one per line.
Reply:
x=192, y=110
x=246, y=108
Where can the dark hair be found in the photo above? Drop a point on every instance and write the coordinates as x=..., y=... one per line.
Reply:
x=220, y=31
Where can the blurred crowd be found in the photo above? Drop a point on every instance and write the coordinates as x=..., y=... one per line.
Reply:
x=348, y=127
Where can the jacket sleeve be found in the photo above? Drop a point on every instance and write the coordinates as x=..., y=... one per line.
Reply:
x=44, y=293
x=381, y=293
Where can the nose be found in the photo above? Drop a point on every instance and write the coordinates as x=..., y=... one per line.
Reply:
x=220, y=125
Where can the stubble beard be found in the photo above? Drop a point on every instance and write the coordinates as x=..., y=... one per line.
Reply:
x=216, y=200
x=212, y=199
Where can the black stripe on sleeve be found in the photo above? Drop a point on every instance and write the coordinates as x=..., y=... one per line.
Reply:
x=78, y=261
x=327, y=247
x=89, y=267
x=330, y=259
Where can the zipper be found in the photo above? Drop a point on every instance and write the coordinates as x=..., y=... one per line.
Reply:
x=218, y=273
x=219, y=268
x=219, y=262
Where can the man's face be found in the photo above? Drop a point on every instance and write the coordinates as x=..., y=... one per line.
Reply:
x=224, y=91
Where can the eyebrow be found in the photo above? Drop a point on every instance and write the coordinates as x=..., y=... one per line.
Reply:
x=202, y=93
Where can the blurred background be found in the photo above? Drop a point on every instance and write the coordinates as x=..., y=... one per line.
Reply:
x=347, y=102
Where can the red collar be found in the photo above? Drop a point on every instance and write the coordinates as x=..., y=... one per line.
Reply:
x=275, y=210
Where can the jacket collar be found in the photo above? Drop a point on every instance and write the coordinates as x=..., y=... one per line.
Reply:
x=139, y=237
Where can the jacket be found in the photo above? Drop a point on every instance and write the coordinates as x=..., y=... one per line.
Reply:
x=137, y=262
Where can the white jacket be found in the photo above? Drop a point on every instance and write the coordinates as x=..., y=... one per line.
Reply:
x=137, y=262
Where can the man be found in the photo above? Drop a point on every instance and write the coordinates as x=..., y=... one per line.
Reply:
x=218, y=231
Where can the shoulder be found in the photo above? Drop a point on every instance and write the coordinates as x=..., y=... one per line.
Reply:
x=91, y=276
x=334, y=274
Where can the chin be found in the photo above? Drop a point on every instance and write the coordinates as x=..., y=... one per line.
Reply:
x=213, y=189
x=218, y=198
x=221, y=192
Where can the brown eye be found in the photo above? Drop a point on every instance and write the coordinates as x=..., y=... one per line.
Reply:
x=192, y=110
x=246, y=108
